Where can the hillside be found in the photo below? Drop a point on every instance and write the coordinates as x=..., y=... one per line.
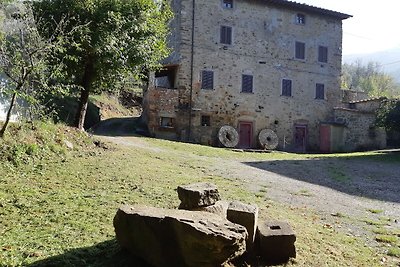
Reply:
x=389, y=59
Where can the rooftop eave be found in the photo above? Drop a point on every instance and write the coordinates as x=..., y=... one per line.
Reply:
x=309, y=9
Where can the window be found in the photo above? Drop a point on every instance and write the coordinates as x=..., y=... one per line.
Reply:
x=300, y=19
x=323, y=54
x=227, y=3
x=226, y=35
x=247, y=83
x=167, y=122
x=165, y=77
x=286, y=87
x=320, y=91
x=205, y=120
x=207, y=80
x=300, y=52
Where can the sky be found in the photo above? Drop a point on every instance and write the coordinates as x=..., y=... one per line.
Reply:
x=374, y=26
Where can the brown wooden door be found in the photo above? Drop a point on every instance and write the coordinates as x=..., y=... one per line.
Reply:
x=245, y=134
x=325, y=138
x=300, y=138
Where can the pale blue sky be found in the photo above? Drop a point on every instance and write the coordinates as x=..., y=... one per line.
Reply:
x=373, y=27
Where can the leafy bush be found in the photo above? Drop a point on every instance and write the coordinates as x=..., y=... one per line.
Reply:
x=388, y=114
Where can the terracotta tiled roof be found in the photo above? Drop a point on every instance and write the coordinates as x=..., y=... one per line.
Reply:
x=308, y=8
x=368, y=100
x=354, y=110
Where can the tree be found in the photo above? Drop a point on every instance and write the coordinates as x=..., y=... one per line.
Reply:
x=388, y=115
x=116, y=39
x=24, y=56
x=369, y=78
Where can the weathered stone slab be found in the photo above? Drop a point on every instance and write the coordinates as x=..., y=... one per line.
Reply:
x=177, y=237
x=220, y=208
x=276, y=241
x=198, y=195
x=247, y=216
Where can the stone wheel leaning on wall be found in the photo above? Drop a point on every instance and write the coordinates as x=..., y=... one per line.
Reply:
x=228, y=136
x=268, y=139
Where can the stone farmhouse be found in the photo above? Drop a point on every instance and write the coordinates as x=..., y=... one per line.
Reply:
x=250, y=64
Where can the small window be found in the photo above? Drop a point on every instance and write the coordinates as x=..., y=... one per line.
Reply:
x=207, y=80
x=300, y=19
x=226, y=35
x=286, y=87
x=247, y=83
x=300, y=52
x=323, y=54
x=167, y=122
x=205, y=120
x=227, y=3
x=320, y=91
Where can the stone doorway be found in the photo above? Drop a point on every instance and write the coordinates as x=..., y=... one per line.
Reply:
x=245, y=134
x=300, y=137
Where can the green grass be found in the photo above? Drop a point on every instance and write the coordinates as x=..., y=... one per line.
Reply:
x=339, y=215
x=386, y=239
x=394, y=252
x=338, y=175
x=375, y=211
x=380, y=231
x=304, y=193
x=58, y=210
x=373, y=222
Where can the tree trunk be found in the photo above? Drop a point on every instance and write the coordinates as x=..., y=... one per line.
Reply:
x=84, y=98
x=82, y=108
x=8, y=117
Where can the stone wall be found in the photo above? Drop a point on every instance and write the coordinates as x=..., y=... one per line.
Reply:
x=352, y=95
x=368, y=105
x=263, y=46
x=161, y=103
x=360, y=132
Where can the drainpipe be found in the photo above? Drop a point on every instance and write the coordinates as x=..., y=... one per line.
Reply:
x=191, y=72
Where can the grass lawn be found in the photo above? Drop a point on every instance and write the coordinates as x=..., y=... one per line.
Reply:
x=58, y=211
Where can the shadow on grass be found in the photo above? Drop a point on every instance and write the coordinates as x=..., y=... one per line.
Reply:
x=375, y=176
x=103, y=254
x=127, y=126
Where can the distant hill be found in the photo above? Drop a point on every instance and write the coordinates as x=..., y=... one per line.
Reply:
x=390, y=60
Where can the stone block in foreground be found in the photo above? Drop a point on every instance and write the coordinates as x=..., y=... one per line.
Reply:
x=220, y=208
x=177, y=237
x=198, y=195
x=276, y=241
x=247, y=216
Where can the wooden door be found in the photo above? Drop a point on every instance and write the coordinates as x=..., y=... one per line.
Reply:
x=325, y=138
x=300, y=138
x=245, y=134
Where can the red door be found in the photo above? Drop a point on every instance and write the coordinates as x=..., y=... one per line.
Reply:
x=245, y=134
x=325, y=138
x=300, y=138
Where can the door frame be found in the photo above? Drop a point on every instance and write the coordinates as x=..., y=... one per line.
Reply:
x=305, y=127
x=251, y=131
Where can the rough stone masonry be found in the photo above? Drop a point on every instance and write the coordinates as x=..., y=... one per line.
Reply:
x=165, y=237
